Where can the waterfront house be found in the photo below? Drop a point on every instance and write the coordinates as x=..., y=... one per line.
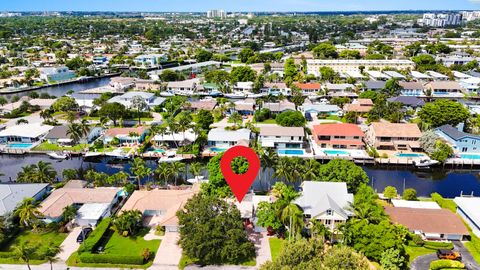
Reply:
x=361, y=105
x=467, y=208
x=471, y=85
x=460, y=141
x=276, y=89
x=394, y=136
x=243, y=87
x=93, y=204
x=327, y=202
x=150, y=60
x=120, y=84
x=125, y=135
x=26, y=133
x=414, y=89
x=204, y=104
x=320, y=109
x=338, y=136
x=447, y=89
x=41, y=103
x=431, y=224
x=224, y=139
x=279, y=107
x=339, y=90
x=186, y=86
x=59, y=135
x=159, y=207
x=126, y=99
x=174, y=140
x=56, y=74
x=342, y=65
x=245, y=107
x=279, y=137
x=12, y=194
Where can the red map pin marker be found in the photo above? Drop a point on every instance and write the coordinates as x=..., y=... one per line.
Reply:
x=240, y=183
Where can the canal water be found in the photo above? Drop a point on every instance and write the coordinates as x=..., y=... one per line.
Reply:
x=61, y=90
x=449, y=183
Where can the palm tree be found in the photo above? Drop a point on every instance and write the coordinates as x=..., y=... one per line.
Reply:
x=139, y=104
x=50, y=254
x=85, y=127
x=25, y=252
x=46, y=114
x=28, y=213
x=69, y=213
x=196, y=168
x=293, y=216
x=26, y=174
x=75, y=132
x=310, y=170
x=235, y=118
x=140, y=169
x=45, y=172
x=268, y=159
x=177, y=169
x=184, y=122
x=296, y=169
x=164, y=171
x=282, y=169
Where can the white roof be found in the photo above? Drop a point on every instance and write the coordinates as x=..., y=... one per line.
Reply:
x=460, y=75
x=26, y=130
x=415, y=204
x=470, y=206
x=189, y=135
x=354, y=74
x=92, y=211
x=419, y=75
x=12, y=194
x=437, y=75
x=220, y=134
x=394, y=74
x=376, y=74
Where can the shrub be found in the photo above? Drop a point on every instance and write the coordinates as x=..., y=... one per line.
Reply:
x=95, y=236
x=417, y=239
x=7, y=255
x=88, y=257
x=438, y=245
x=442, y=264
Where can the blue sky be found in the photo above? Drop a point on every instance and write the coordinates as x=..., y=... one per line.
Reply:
x=233, y=5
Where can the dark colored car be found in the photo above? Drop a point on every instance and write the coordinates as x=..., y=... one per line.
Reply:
x=308, y=116
x=447, y=254
x=84, y=234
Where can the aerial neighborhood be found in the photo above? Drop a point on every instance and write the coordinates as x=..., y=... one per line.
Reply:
x=366, y=125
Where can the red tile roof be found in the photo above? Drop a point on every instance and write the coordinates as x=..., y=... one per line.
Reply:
x=308, y=85
x=337, y=130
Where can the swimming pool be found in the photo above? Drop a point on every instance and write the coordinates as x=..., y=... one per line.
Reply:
x=293, y=152
x=335, y=152
x=20, y=145
x=217, y=150
x=470, y=156
x=408, y=155
x=157, y=150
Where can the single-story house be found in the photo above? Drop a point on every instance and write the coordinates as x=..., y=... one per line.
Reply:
x=316, y=109
x=279, y=107
x=25, y=133
x=89, y=200
x=174, y=140
x=309, y=88
x=279, y=137
x=468, y=209
x=394, y=136
x=12, y=194
x=245, y=107
x=221, y=138
x=374, y=85
x=338, y=136
x=187, y=85
x=340, y=90
x=159, y=207
x=126, y=99
x=125, y=135
x=276, y=89
x=204, y=104
x=41, y=103
x=431, y=224
x=59, y=135
x=445, y=89
x=460, y=141
x=361, y=105
x=243, y=86
x=327, y=202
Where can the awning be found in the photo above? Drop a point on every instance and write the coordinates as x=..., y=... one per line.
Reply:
x=268, y=144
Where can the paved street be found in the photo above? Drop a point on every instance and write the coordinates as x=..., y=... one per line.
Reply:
x=467, y=257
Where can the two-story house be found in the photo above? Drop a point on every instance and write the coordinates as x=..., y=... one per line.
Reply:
x=222, y=139
x=281, y=137
x=394, y=136
x=460, y=141
x=338, y=136
x=327, y=202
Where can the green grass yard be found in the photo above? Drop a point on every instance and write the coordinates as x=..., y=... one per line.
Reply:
x=276, y=245
x=45, y=146
x=268, y=121
x=414, y=252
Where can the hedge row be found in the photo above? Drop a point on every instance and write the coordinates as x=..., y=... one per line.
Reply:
x=95, y=236
x=88, y=257
x=7, y=255
x=442, y=264
x=438, y=245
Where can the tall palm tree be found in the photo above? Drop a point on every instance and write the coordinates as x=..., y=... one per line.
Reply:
x=50, y=254
x=184, y=122
x=85, y=127
x=310, y=170
x=140, y=169
x=235, y=118
x=282, y=169
x=196, y=168
x=26, y=174
x=45, y=172
x=296, y=169
x=268, y=159
x=25, y=251
x=69, y=213
x=164, y=171
x=292, y=216
x=75, y=132
x=177, y=168
x=28, y=213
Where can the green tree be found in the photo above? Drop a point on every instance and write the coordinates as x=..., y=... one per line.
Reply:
x=392, y=259
x=392, y=88
x=345, y=258
x=327, y=74
x=65, y=104
x=409, y=194
x=69, y=213
x=291, y=119
x=242, y=74
x=292, y=217
x=245, y=54
x=128, y=223
x=340, y=170
x=442, y=151
x=325, y=51
x=290, y=69
x=443, y=112
x=112, y=111
x=212, y=233
x=267, y=216
x=28, y=213
x=390, y=192
x=204, y=119
x=203, y=56
x=25, y=251
x=140, y=169
x=169, y=76
x=216, y=186
x=140, y=105
x=50, y=254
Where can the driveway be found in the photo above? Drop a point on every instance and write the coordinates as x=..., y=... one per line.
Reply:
x=423, y=262
x=467, y=257
x=70, y=244
x=169, y=253
x=262, y=247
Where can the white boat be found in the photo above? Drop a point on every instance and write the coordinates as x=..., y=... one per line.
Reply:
x=167, y=94
x=55, y=155
x=197, y=179
x=236, y=95
x=170, y=159
x=425, y=163
x=252, y=95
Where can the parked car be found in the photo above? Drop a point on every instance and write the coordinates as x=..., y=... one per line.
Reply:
x=84, y=234
x=308, y=117
x=447, y=254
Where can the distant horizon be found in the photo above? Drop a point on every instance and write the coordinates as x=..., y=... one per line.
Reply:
x=245, y=11
x=198, y=6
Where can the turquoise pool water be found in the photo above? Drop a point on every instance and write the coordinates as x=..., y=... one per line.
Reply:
x=335, y=152
x=294, y=152
x=409, y=155
x=217, y=150
x=157, y=150
x=20, y=145
x=470, y=156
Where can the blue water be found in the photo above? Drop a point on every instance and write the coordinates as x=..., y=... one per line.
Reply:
x=20, y=145
x=409, y=155
x=294, y=152
x=157, y=150
x=470, y=156
x=335, y=152
x=218, y=150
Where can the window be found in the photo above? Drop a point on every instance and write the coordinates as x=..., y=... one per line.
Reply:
x=328, y=222
x=329, y=212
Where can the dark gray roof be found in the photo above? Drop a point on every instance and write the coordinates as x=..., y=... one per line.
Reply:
x=375, y=85
x=455, y=133
x=408, y=101
x=57, y=132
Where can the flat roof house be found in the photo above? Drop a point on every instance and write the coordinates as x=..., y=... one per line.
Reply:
x=187, y=85
x=432, y=224
x=394, y=136
x=159, y=207
x=221, y=138
x=445, y=89
x=276, y=89
x=12, y=194
x=26, y=133
x=327, y=202
x=340, y=90
x=468, y=209
x=126, y=99
x=460, y=141
x=279, y=137
x=340, y=65
x=56, y=74
x=320, y=109
x=338, y=136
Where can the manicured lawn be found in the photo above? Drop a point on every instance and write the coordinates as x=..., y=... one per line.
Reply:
x=276, y=245
x=268, y=121
x=415, y=252
x=45, y=146
x=444, y=203
x=185, y=261
x=43, y=240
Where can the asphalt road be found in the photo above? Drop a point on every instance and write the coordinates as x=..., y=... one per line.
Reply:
x=423, y=262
